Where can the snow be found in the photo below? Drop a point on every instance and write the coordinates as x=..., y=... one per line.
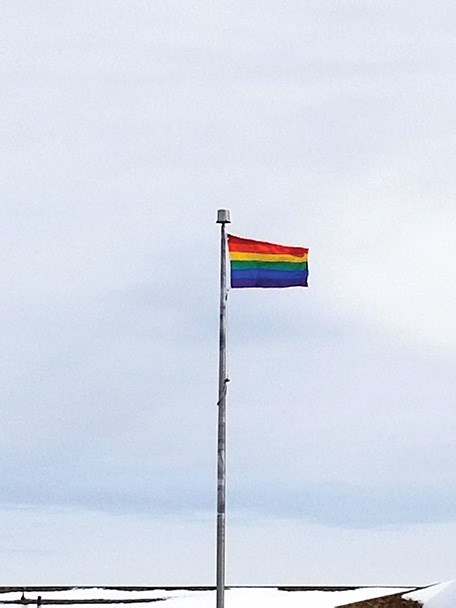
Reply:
x=276, y=598
x=86, y=593
x=242, y=597
x=436, y=596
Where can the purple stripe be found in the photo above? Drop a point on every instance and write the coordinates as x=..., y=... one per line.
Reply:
x=262, y=277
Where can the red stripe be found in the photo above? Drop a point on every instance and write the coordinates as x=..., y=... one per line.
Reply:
x=236, y=243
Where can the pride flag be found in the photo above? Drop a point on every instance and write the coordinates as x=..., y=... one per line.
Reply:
x=261, y=264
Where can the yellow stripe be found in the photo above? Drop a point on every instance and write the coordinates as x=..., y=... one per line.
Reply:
x=267, y=257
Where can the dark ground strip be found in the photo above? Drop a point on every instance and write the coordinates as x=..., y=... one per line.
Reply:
x=389, y=601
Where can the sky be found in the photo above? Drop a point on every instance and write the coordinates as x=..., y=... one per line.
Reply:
x=125, y=125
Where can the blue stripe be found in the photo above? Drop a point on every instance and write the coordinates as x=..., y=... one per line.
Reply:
x=263, y=277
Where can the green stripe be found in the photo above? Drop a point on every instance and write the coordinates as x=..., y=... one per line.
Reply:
x=238, y=265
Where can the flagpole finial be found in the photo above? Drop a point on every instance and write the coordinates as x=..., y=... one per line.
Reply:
x=223, y=216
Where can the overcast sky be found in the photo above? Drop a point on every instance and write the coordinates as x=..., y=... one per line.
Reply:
x=125, y=125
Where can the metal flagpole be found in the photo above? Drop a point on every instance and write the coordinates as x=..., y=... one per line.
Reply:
x=223, y=217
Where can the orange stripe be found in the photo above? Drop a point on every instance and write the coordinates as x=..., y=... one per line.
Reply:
x=266, y=257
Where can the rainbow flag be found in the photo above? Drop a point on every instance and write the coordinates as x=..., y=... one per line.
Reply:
x=260, y=264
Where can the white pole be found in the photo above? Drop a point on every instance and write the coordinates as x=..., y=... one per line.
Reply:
x=223, y=218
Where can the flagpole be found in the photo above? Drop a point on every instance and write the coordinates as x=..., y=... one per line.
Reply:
x=223, y=218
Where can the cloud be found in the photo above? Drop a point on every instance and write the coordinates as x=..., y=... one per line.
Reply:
x=327, y=125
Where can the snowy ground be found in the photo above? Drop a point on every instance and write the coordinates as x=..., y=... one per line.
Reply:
x=437, y=596
x=253, y=597
x=442, y=595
